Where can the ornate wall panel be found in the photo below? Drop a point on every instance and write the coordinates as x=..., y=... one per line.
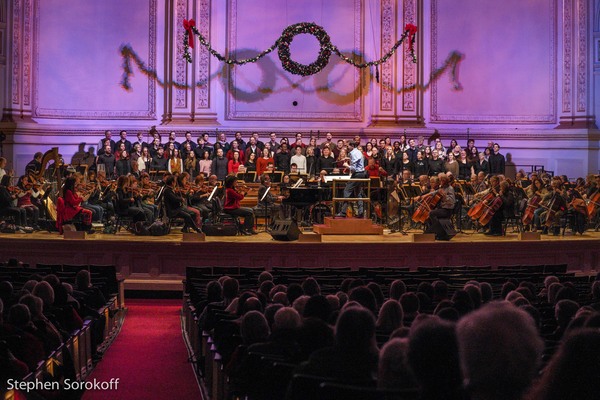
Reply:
x=265, y=91
x=509, y=71
x=77, y=66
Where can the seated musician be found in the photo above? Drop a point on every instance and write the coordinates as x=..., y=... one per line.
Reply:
x=34, y=166
x=374, y=170
x=24, y=201
x=129, y=202
x=445, y=206
x=175, y=206
x=326, y=162
x=86, y=192
x=556, y=204
x=578, y=210
x=185, y=189
x=233, y=196
x=7, y=201
x=72, y=207
x=268, y=201
x=199, y=198
x=505, y=210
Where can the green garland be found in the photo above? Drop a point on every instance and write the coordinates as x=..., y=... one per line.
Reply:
x=282, y=44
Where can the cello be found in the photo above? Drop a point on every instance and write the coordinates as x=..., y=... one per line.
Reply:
x=478, y=209
x=490, y=210
x=593, y=203
x=532, y=205
x=428, y=202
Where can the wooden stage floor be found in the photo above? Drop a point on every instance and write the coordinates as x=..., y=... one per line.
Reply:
x=163, y=259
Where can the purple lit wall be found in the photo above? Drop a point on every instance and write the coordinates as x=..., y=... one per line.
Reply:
x=529, y=74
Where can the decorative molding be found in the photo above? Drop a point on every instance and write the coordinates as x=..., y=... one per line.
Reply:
x=202, y=99
x=231, y=111
x=180, y=62
x=388, y=30
x=27, y=52
x=582, y=55
x=16, y=53
x=409, y=71
x=567, y=55
x=148, y=114
x=495, y=119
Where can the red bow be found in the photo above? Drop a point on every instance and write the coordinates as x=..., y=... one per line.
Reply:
x=411, y=30
x=188, y=25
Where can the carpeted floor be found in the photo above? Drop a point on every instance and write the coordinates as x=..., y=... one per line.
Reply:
x=148, y=357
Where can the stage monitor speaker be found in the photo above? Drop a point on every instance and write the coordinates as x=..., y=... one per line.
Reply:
x=285, y=229
x=443, y=229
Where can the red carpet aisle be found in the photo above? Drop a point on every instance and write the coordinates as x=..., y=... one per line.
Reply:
x=149, y=356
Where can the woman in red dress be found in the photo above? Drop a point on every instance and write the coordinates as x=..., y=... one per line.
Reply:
x=68, y=207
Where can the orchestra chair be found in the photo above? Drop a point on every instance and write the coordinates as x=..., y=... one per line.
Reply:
x=514, y=218
x=122, y=217
x=221, y=216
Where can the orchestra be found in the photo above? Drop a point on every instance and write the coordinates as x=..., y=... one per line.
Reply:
x=482, y=197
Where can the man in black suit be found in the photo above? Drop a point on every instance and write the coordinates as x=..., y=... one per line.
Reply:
x=123, y=139
x=497, y=161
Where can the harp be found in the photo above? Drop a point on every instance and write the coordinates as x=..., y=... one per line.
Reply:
x=49, y=197
x=50, y=155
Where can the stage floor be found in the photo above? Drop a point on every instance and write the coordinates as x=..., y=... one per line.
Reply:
x=142, y=259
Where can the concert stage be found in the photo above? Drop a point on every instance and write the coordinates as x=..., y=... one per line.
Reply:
x=155, y=263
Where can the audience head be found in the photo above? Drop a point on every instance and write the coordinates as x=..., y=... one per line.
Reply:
x=397, y=289
x=317, y=307
x=287, y=318
x=213, y=291
x=487, y=293
x=83, y=280
x=500, y=351
x=440, y=290
x=410, y=304
x=254, y=328
x=294, y=290
x=265, y=276
x=44, y=291
x=433, y=358
x=310, y=286
x=365, y=298
x=564, y=312
x=34, y=304
x=231, y=288
x=19, y=316
x=573, y=369
x=394, y=371
x=300, y=303
x=355, y=330
x=391, y=316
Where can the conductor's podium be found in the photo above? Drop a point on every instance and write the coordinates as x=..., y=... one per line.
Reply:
x=348, y=226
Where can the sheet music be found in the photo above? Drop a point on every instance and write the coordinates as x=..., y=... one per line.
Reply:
x=212, y=193
x=297, y=184
x=265, y=195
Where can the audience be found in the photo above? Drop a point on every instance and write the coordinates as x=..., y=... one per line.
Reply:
x=500, y=351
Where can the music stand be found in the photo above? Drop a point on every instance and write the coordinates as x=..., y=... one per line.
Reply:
x=297, y=177
x=276, y=176
x=401, y=195
x=247, y=177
